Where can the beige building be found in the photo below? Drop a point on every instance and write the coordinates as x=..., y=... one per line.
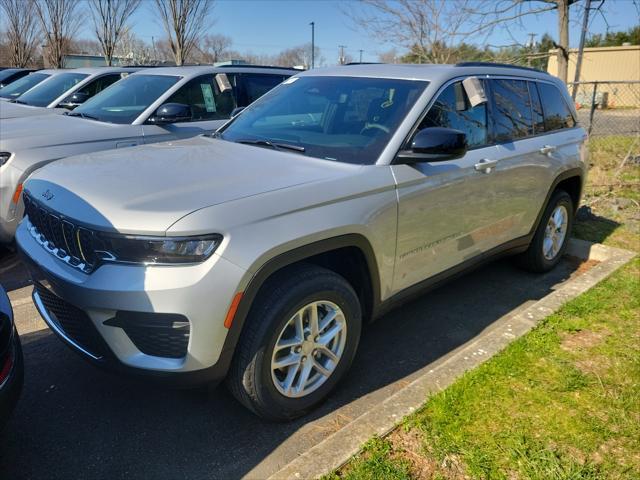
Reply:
x=606, y=64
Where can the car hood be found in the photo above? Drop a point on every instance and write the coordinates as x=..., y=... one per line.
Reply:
x=15, y=110
x=54, y=130
x=146, y=189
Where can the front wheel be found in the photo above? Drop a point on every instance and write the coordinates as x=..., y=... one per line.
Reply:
x=552, y=236
x=298, y=342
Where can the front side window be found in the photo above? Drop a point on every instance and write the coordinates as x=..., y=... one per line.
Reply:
x=255, y=85
x=99, y=84
x=17, y=88
x=344, y=119
x=126, y=100
x=46, y=92
x=206, y=100
x=511, y=110
x=556, y=111
x=453, y=110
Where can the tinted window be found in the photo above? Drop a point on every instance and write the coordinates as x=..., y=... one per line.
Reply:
x=17, y=88
x=46, y=92
x=536, y=108
x=255, y=85
x=334, y=118
x=126, y=100
x=99, y=84
x=453, y=110
x=556, y=111
x=512, y=110
x=206, y=100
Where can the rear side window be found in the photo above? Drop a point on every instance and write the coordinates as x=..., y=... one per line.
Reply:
x=453, y=110
x=557, y=114
x=512, y=112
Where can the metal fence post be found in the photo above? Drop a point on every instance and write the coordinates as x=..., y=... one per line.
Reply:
x=593, y=106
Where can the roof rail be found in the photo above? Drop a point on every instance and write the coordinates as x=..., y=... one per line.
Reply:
x=247, y=65
x=499, y=65
x=362, y=63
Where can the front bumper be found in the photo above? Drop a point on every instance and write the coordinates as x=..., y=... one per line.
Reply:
x=10, y=213
x=11, y=362
x=84, y=310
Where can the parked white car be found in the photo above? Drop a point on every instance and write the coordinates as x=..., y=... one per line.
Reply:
x=149, y=106
x=63, y=91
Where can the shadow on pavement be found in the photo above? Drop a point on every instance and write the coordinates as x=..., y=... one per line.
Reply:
x=74, y=421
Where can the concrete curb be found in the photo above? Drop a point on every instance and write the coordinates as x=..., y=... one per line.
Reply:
x=336, y=450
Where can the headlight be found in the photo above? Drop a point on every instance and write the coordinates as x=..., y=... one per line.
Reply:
x=159, y=250
x=4, y=157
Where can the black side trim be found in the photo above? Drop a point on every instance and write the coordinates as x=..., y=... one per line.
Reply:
x=518, y=245
x=571, y=173
x=289, y=258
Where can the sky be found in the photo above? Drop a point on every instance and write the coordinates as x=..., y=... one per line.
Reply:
x=269, y=26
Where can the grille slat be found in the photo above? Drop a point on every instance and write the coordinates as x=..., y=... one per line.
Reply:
x=60, y=233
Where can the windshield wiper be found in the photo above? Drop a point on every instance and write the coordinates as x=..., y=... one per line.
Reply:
x=274, y=145
x=21, y=102
x=81, y=115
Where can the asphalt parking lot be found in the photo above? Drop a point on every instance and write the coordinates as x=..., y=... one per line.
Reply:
x=74, y=421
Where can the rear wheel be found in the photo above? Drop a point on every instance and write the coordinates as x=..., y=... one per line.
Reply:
x=550, y=240
x=298, y=341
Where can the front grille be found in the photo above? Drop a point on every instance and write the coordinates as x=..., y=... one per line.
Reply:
x=73, y=322
x=62, y=237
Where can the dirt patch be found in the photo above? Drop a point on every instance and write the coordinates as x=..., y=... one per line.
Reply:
x=581, y=265
x=594, y=365
x=583, y=340
x=408, y=446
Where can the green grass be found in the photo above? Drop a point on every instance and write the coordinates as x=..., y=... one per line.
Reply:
x=562, y=402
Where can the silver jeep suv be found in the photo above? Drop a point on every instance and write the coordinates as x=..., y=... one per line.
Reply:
x=257, y=253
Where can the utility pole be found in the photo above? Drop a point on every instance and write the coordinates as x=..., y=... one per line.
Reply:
x=583, y=34
x=361, y=54
x=341, y=58
x=313, y=44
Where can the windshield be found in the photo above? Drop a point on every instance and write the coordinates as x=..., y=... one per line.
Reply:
x=125, y=100
x=344, y=119
x=46, y=92
x=17, y=88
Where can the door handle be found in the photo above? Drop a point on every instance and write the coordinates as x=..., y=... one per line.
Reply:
x=547, y=149
x=486, y=165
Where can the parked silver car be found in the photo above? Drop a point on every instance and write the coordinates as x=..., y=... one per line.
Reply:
x=149, y=106
x=64, y=91
x=256, y=253
x=24, y=84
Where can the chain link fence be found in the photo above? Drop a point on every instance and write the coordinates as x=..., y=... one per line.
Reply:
x=608, y=108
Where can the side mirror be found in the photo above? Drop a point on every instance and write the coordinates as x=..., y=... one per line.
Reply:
x=171, y=113
x=434, y=144
x=74, y=100
x=236, y=111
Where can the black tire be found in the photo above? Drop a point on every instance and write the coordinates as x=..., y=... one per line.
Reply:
x=249, y=378
x=533, y=259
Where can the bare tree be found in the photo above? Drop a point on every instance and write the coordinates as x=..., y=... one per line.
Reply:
x=22, y=31
x=297, y=57
x=110, y=22
x=214, y=48
x=486, y=15
x=424, y=27
x=184, y=22
x=136, y=51
x=60, y=21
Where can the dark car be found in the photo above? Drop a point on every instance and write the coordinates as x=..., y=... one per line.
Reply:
x=9, y=75
x=11, y=362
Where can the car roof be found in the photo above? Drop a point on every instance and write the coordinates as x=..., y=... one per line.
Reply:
x=98, y=70
x=427, y=72
x=193, y=71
